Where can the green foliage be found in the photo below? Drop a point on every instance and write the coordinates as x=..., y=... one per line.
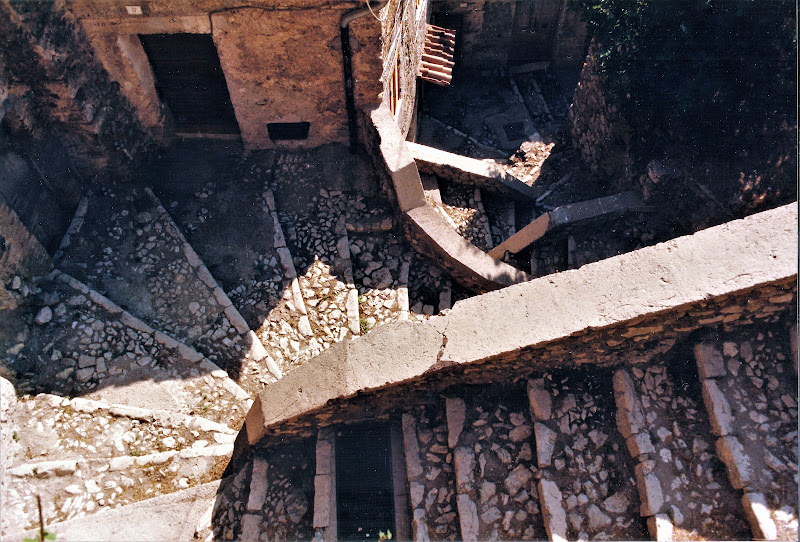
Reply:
x=47, y=536
x=711, y=65
x=384, y=536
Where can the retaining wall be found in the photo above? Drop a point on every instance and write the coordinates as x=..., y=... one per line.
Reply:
x=625, y=309
x=21, y=254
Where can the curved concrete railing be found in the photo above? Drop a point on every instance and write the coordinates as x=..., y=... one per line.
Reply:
x=428, y=231
x=624, y=309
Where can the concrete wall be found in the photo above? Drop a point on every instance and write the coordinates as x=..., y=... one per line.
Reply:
x=282, y=63
x=625, y=309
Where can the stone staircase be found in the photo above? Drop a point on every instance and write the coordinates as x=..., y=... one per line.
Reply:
x=162, y=364
x=626, y=453
x=140, y=364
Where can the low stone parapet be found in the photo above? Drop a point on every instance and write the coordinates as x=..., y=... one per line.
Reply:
x=625, y=309
x=483, y=174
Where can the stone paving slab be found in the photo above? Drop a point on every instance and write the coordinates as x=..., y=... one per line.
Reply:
x=165, y=518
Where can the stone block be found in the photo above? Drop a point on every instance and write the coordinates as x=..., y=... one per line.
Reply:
x=324, y=455
x=540, y=401
x=732, y=453
x=719, y=410
x=650, y=495
x=258, y=485
x=468, y=518
x=464, y=464
x=411, y=444
x=660, y=527
x=322, y=500
x=710, y=363
x=456, y=414
x=639, y=444
x=555, y=518
x=545, y=444
x=251, y=526
x=757, y=511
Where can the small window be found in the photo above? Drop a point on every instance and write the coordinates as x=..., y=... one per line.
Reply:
x=394, y=88
x=281, y=131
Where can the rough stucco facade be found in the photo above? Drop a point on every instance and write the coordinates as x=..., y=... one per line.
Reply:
x=282, y=63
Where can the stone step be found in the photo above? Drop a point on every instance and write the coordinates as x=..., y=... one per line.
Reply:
x=52, y=428
x=682, y=489
x=587, y=483
x=751, y=397
x=89, y=346
x=73, y=488
x=174, y=516
x=130, y=250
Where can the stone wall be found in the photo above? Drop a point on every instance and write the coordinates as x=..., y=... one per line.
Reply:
x=626, y=309
x=486, y=35
x=50, y=60
x=597, y=128
x=569, y=48
x=21, y=256
x=405, y=43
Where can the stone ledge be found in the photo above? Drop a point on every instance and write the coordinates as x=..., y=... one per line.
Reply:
x=604, y=305
x=462, y=169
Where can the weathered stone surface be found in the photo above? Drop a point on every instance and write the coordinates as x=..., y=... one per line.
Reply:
x=732, y=453
x=616, y=503
x=660, y=527
x=420, y=526
x=464, y=463
x=555, y=519
x=456, y=414
x=545, y=444
x=630, y=419
x=639, y=444
x=539, y=399
x=258, y=485
x=517, y=479
x=757, y=511
x=251, y=526
x=468, y=518
x=710, y=363
x=44, y=316
x=413, y=463
x=322, y=499
x=597, y=519
x=719, y=411
x=519, y=433
x=650, y=494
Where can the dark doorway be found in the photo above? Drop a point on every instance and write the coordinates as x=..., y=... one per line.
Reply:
x=364, y=489
x=190, y=81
